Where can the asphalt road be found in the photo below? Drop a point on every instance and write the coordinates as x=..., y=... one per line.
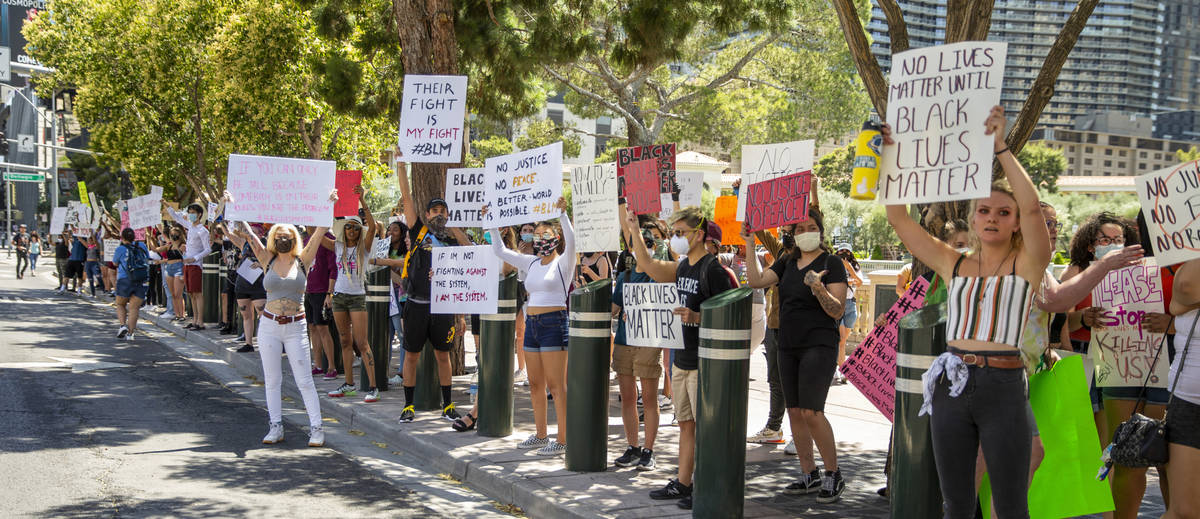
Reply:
x=93, y=426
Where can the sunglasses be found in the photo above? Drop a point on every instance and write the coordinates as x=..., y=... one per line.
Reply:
x=678, y=233
x=1053, y=225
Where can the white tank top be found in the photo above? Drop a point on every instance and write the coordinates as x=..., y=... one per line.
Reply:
x=1189, y=385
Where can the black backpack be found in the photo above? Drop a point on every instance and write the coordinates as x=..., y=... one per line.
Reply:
x=137, y=263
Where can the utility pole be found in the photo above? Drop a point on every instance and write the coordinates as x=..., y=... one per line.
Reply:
x=53, y=173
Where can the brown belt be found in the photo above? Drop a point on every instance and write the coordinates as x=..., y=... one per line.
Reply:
x=283, y=319
x=991, y=361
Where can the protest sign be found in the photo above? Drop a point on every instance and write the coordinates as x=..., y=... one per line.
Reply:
x=938, y=101
x=643, y=174
x=594, y=205
x=466, y=280
x=524, y=187
x=778, y=201
x=156, y=191
x=211, y=213
x=139, y=233
x=1171, y=202
x=725, y=216
x=83, y=194
x=1123, y=351
x=464, y=196
x=144, y=211
x=431, y=120
x=649, y=315
x=58, y=220
x=872, y=366
x=280, y=190
x=763, y=162
x=691, y=187
x=110, y=248
x=249, y=270
x=345, y=181
x=667, y=202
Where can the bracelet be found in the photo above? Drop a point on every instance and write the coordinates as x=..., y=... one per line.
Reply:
x=1001, y=151
x=1084, y=325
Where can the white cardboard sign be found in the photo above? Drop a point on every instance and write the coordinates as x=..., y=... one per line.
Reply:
x=464, y=196
x=145, y=211
x=431, y=123
x=466, y=280
x=280, y=190
x=1171, y=202
x=649, y=315
x=524, y=186
x=762, y=162
x=58, y=220
x=691, y=186
x=110, y=248
x=594, y=206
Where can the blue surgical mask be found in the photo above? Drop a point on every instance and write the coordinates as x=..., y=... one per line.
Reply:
x=527, y=237
x=487, y=237
x=193, y=217
x=1103, y=250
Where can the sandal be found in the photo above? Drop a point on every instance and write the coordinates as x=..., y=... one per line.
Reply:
x=460, y=424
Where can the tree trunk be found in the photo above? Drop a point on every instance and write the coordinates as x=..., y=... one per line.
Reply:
x=860, y=50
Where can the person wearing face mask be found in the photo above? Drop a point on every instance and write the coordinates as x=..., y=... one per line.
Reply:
x=772, y=432
x=547, y=276
x=171, y=253
x=193, y=256
x=524, y=246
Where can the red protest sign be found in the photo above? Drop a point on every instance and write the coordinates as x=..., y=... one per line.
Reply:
x=643, y=173
x=779, y=201
x=347, y=202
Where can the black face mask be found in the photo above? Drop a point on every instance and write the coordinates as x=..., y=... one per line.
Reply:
x=787, y=240
x=283, y=245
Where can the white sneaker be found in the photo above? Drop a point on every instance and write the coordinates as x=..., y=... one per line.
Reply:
x=316, y=436
x=533, y=442
x=275, y=434
x=396, y=380
x=167, y=315
x=790, y=449
x=664, y=402
x=553, y=449
x=129, y=336
x=520, y=378
x=122, y=332
x=766, y=435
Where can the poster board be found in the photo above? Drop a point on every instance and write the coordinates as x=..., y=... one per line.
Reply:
x=778, y=201
x=110, y=248
x=1170, y=200
x=144, y=211
x=872, y=366
x=1123, y=352
x=345, y=181
x=938, y=100
x=643, y=174
x=691, y=188
x=594, y=207
x=650, y=320
x=465, y=196
x=58, y=220
x=524, y=186
x=280, y=190
x=725, y=216
x=466, y=280
x=432, y=118
x=763, y=162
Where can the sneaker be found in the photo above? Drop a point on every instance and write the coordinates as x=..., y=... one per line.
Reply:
x=275, y=434
x=631, y=456
x=519, y=377
x=533, y=442
x=673, y=490
x=808, y=484
x=129, y=336
x=553, y=449
x=408, y=414
x=766, y=435
x=317, y=371
x=246, y=348
x=450, y=413
x=371, y=396
x=331, y=374
x=241, y=338
x=790, y=448
x=664, y=402
x=831, y=487
x=396, y=380
x=685, y=503
x=647, y=460
x=121, y=333
x=838, y=379
x=343, y=390
x=316, y=436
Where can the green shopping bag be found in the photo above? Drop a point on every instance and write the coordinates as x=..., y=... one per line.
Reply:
x=1065, y=483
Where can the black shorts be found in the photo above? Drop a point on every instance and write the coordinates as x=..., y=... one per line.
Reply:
x=805, y=375
x=246, y=290
x=421, y=326
x=314, y=309
x=74, y=269
x=1183, y=423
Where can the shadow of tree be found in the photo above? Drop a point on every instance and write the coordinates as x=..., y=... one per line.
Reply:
x=183, y=508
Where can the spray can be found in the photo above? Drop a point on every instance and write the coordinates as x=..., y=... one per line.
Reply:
x=867, y=151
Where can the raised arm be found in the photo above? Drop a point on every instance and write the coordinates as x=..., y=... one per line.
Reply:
x=755, y=276
x=1063, y=296
x=658, y=270
x=256, y=245
x=1035, y=253
x=180, y=217
x=564, y=221
x=314, y=243
x=406, y=198
x=368, y=218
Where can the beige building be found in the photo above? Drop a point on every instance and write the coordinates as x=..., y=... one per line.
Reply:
x=1094, y=153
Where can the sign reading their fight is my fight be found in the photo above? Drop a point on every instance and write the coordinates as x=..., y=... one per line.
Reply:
x=431, y=123
x=1124, y=352
x=1171, y=202
x=644, y=173
x=938, y=101
x=524, y=187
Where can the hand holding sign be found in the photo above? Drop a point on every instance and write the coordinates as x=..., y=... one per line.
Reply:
x=1171, y=202
x=345, y=183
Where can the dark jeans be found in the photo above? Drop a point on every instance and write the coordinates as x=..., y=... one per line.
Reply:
x=22, y=262
x=771, y=352
x=992, y=411
x=93, y=274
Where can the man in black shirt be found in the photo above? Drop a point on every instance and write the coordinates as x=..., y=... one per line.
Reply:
x=419, y=324
x=21, y=243
x=697, y=277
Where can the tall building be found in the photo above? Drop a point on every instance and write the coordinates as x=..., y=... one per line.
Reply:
x=1179, y=84
x=1114, y=66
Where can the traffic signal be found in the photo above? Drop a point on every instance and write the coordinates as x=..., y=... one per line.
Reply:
x=4, y=113
x=3, y=144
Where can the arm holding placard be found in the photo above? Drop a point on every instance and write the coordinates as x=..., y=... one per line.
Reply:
x=256, y=245
x=658, y=270
x=1063, y=296
x=755, y=276
x=310, y=249
x=566, y=267
x=931, y=251
x=406, y=198
x=1035, y=237
x=370, y=227
x=507, y=255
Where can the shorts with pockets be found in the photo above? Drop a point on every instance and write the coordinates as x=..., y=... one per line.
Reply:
x=851, y=314
x=546, y=332
x=637, y=361
x=127, y=288
x=172, y=270
x=421, y=326
x=314, y=309
x=684, y=384
x=192, y=276
x=349, y=302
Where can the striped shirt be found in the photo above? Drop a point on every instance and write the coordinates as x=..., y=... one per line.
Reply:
x=988, y=309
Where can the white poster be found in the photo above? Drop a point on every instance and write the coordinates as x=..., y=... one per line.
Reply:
x=432, y=118
x=763, y=162
x=280, y=190
x=156, y=191
x=938, y=100
x=668, y=206
x=1171, y=202
x=691, y=186
x=248, y=271
x=145, y=211
x=594, y=206
x=58, y=220
x=1124, y=353
x=650, y=318
x=464, y=196
x=524, y=187
x=466, y=280
x=110, y=248
x=211, y=213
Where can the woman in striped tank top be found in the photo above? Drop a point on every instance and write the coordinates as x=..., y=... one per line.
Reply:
x=976, y=391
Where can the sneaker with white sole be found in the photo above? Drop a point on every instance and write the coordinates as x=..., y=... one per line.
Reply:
x=396, y=380
x=371, y=395
x=790, y=448
x=316, y=436
x=129, y=336
x=832, y=486
x=664, y=402
x=449, y=413
x=408, y=414
x=631, y=457
x=647, y=460
x=121, y=333
x=673, y=490
x=553, y=449
x=519, y=377
x=807, y=484
x=275, y=434
x=343, y=390
x=167, y=315
x=766, y=435
x=533, y=442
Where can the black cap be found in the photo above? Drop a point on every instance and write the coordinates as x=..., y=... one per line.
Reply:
x=436, y=202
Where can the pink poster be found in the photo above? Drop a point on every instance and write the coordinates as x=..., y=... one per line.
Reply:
x=872, y=366
x=139, y=234
x=345, y=182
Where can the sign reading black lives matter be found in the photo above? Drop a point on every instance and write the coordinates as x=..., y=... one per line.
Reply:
x=464, y=196
x=938, y=100
x=1171, y=202
x=431, y=120
x=650, y=318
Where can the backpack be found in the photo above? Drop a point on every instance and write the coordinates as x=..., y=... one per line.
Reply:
x=137, y=264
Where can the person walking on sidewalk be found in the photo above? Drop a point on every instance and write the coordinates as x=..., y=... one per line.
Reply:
x=632, y=363
x=62, y=254
x=282, y=327
x=548, y=276
x=698, y=276
x=21, y=244
x=35, y=250
x=133, y=270
x=198, y=246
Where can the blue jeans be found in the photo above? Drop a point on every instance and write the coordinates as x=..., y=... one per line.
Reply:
x=93, y=273
x=398, y=333
x=167, y=293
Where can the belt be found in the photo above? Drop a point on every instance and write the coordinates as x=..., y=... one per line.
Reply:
x=283, y=319
x=991, y=361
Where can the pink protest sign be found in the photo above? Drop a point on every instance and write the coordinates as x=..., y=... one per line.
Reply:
x=347, y=203
x=643, y=174
x=1124, y=353
x=778, y=201
x=872, y=366
x=139, y=233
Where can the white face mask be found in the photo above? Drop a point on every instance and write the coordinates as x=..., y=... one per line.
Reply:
x=808, y=241
x=680, y=245
x=964, y=250
x=1103, y=250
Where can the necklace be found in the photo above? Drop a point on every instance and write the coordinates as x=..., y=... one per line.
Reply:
x=979, y=296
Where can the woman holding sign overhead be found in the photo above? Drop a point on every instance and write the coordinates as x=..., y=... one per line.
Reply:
x=976, y=391
x=548, y=274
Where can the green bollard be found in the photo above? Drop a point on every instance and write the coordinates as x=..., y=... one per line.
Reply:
x=497, y=345
x=379, y=326
x=914, y=486
x=210, y=285
x=587, y=377
x=222, y=277
x=722, y=400
x=427, y=394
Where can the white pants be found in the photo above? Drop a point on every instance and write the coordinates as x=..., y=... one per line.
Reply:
x=273, y=340
x=758, y=325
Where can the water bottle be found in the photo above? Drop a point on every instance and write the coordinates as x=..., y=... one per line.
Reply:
x=867, y=148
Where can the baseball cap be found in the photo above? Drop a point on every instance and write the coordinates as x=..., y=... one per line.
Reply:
x=436, y=202
x=712, y=232
x=843, y=246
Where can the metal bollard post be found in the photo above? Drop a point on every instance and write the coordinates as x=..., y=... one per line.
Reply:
x=914, y=486
x=587, y=377
x=222, y=279
x=427, y=394
x=497, y=342
x=722, y=398
x=210, y=285
x=379, y=326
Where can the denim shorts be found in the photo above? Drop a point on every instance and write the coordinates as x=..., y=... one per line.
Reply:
x=126, y=288
x=173, y=270
x=546, y=332
x=851, y=314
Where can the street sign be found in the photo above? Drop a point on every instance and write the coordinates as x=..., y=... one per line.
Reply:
x=5, y=65
x=25, y=177
x=25, y=143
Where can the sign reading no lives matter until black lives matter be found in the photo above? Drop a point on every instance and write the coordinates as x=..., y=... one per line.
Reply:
x=1171, y=202
x=644, y=173
x=938, y=101
x=431, y=120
